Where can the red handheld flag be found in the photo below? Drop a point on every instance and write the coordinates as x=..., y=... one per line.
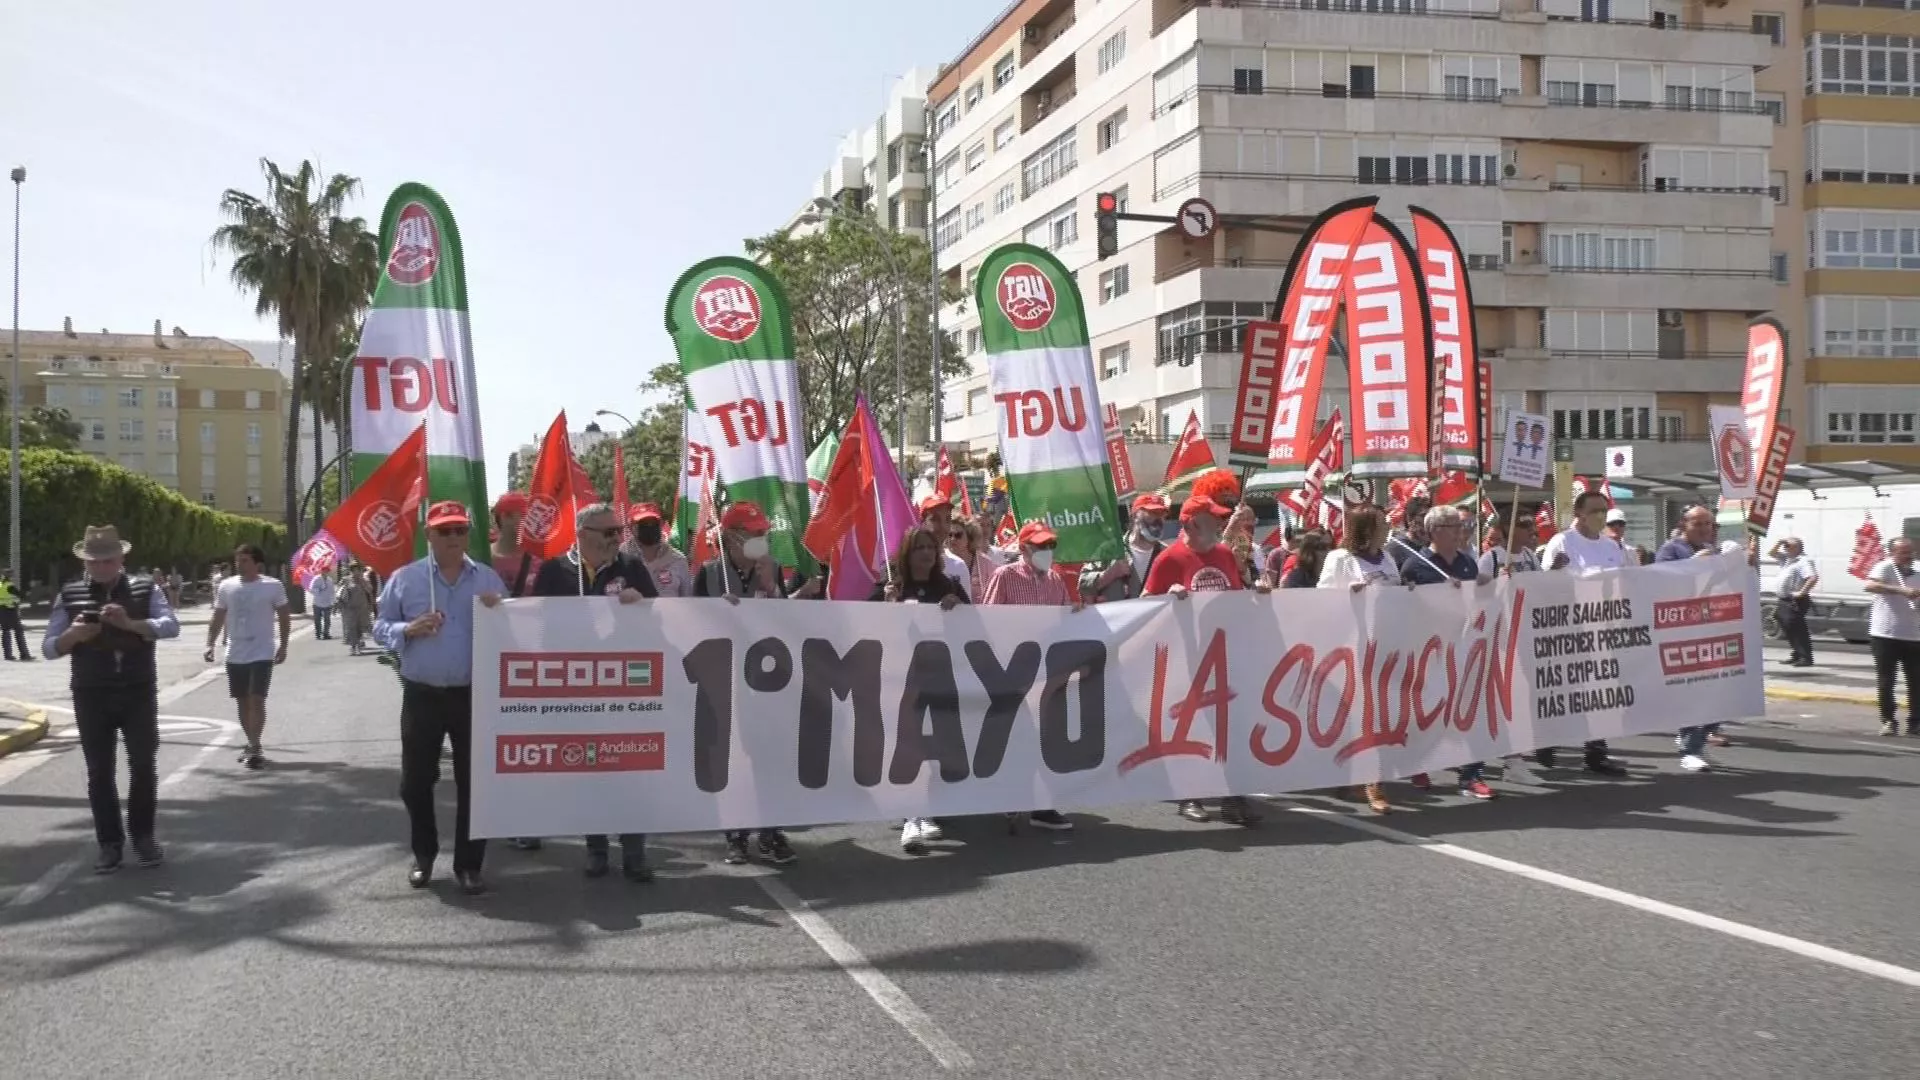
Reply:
x=1868, y=549
x=1192, y=456
x=379, y=520
x=546, y=529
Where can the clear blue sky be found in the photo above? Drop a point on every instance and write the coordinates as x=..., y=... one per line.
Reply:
x=590, y=151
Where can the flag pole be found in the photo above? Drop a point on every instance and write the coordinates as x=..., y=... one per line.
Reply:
x=426, y=500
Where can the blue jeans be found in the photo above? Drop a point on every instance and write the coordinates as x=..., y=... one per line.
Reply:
x=1471, y=771
x=1693, y=740
x=322, y=621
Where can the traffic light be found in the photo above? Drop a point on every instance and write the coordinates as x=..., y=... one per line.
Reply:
x=1107, y=224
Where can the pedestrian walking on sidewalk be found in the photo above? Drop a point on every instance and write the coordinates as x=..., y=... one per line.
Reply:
x=426, y=616
x=108, y=623
x=12, y=633
x=323, y=593
x=356, y=608
x=1893, y=628
x=1798, y=577
x=247, y=606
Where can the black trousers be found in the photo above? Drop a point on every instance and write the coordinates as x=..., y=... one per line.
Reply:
x=108, y=717
x=1793, y=623
x=633, y=846
x=431, y=716
x=11, y=631
x=1893, y=657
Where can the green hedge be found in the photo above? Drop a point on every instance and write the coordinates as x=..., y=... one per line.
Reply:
x=65, y=492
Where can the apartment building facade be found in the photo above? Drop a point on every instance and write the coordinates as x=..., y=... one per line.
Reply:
x=278, y=355
x=1854, y=154
x=1606, y=165
x=194, y=413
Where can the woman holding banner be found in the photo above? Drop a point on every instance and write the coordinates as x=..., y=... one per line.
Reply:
x=1361, y=561
x=918, y=576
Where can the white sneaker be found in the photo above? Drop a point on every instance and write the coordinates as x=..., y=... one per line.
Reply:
x=1694, y=763
x=913, y=837
x=930, y=830
x=1516, y=771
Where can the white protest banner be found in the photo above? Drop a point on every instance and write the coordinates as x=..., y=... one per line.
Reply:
x=1525, y=455
x=676, y=715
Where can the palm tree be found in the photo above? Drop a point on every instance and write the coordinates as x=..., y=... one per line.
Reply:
x=308, y=265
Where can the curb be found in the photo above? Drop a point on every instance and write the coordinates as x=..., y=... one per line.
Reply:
x=1789, y=694
x=33, y=732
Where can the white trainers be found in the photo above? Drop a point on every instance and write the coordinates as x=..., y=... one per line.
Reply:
x=930, y=830
x=1694, y=763
x=1517, y=771
x=1888, y=727
x=913, y=837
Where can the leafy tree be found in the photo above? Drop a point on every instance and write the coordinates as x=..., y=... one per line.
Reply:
x=653, y=447
x=325, y=380
x=40, y=426
x=308, y=265
x=845, y=282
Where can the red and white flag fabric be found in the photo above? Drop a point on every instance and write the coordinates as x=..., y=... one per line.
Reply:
x=317, y=557
x=1543, y=525
x=945, y=480
x=1192, y=456
x=702, y=547
x=380, y=520
x=553, y=495
x=1868, y=549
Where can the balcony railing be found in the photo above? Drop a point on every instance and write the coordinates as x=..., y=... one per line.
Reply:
x=1419, y=8
x=1346, y=94
x=1659, y=187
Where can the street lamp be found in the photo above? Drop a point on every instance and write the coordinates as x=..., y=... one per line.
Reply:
x=615, y=415
x=15, y=397
x=825, y=209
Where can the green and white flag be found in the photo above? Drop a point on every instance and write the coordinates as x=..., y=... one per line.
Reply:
x=1040, y=371
x=819, y=464
x=734, y=334
x=416, y=362
x=696, y=469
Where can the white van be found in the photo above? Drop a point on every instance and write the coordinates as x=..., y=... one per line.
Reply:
x=1826, y=520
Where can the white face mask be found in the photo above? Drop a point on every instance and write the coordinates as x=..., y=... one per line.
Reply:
x=754, y=547
x=1042, y=559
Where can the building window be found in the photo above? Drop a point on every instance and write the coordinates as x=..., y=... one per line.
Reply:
x=1611, y=249
x=976, y=155
x=164, y=397
x=916, y=214
x=1598, y=417
x=1112, y=51
x=976, y=216
x=134, y=462
x=1866, y=326
x=96, y=430
x=254, y=501
x=1049, y=163
x=1114, y=360
x=944, y=120
x=206, y=497
x=1777, y=186
x=1120, y=199
x=167, y=465
x=1869, y=415
x=1249, y=81
x=206, y=472
x=253, y=399
x=132, y=429
x=944, y=174
x=1782, y=273
x=976, y=401
x=1588, y=330
x=207, y=441
x=92, y=396
x=1114, y=284
x=1004, y=199
x=1217, y=326
x=56, y=396
x=1003, y=70
x=1054, y=230
x=163, y=431
x=1774, y=105
x=947, y=230
x=1864, y=239
x=1877, y=65
x=206, y=399
x=1112, y=130
x=974, y=94
x=973, y=340
x=253, y=470
x=253, y=438
x=1005, y=133
x=1770, y=26
x=129, y=397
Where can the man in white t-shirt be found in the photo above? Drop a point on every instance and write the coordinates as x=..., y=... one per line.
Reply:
x=1893, y=629
x=1584, y=549
x=247, y=606
x=322, y=594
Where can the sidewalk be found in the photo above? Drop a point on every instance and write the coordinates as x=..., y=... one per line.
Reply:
x=1837, y=675
x=20, y=726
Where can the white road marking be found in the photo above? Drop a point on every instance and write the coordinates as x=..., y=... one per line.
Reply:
x=51, y=881
x=1810, y=950
x=1884, y=746
x=884, y=991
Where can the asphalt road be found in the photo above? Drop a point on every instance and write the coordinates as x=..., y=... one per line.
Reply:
x=1522, y=938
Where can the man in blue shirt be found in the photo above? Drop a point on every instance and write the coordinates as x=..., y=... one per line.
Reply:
x=108, y=623
x=1444, y=561
x=426, y=615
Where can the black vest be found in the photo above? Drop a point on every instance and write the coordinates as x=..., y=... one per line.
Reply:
x=117, y=658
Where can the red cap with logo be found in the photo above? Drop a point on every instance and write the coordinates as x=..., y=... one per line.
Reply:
x=442, y=514
x=645, y=512
x=1037, y=533
x=1150, y=500
x=746, y=517
x=1199, y=505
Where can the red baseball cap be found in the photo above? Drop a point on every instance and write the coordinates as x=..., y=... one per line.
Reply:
x=1200, y=504
x=1150, y=500
x=447, y=513
x=1036, y=533
x=747, y=517
x=513, y=502
x=646, y=512
x=932, y=503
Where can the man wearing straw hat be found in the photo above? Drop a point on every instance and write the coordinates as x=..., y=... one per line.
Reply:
x=426, y=615
x=108, y=623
